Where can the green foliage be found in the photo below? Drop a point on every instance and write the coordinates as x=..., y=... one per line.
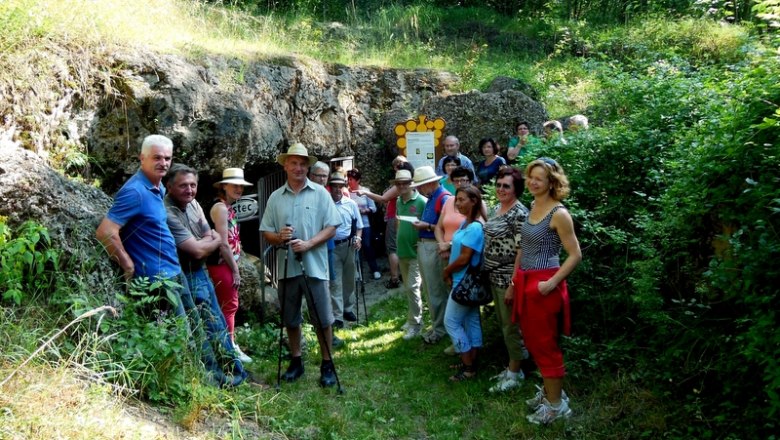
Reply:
x=149, y=346
x=26, y=261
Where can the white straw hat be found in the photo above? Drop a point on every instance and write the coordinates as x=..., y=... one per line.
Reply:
x=234, y=176
x=402, y=176
x=424, y=175
x=296, y=149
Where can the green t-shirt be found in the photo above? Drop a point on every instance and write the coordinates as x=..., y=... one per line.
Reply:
x=528, y=152
x=407, y=235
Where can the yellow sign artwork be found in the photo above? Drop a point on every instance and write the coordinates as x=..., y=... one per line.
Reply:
x=421, y=124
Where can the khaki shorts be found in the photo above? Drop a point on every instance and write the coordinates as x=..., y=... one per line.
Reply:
x=292, y=291
x=390, y=236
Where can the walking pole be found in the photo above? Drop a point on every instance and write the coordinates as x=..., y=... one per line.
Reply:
x=360, y=287
x=281, y=322
x=310, y=300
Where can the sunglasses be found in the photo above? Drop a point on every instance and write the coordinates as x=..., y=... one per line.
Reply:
x=549, y=161
x=503, y=186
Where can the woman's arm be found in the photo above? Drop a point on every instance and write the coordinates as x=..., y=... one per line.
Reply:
x=462, y=261
x=219, y=214
x=387, y=196
x=509, y=295
x=564, y=226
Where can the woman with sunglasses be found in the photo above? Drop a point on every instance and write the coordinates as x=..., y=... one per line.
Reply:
x=540, y=292
x=502, y=246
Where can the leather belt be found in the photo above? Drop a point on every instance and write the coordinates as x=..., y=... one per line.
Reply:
x=343, y=240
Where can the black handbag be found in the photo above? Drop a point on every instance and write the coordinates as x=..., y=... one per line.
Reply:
x=471, y=290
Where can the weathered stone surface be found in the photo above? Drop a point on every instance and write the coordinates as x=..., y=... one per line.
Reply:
x=474, y=115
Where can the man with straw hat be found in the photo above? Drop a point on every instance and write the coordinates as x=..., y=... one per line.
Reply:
x=300, y=216
x=431, y=265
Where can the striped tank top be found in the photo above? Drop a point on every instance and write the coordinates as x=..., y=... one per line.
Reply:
x=541, y=245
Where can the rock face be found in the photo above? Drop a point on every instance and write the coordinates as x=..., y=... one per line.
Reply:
x=220, y=112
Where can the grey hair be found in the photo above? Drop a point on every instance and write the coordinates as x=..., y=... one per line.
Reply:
x=155, y=140
x=454, y=138
x=555, y=124
x=177, y=169
x=320, y=165
x=580, y=120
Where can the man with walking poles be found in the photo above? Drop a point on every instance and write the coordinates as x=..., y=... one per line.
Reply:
x=299, y=218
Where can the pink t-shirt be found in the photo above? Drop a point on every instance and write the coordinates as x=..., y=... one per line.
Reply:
x=452, y=218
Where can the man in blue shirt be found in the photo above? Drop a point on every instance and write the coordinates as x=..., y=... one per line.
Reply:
x=431, y=264
x=135, y=234
x=452, y=148
x=346, y=241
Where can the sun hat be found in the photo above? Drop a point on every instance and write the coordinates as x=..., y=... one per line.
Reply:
x=402, y=176
x=424, y=175
x=234, y=176
x=336, y=178
x=296, y=149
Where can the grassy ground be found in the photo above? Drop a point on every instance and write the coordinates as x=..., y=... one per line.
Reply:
x=393, y=389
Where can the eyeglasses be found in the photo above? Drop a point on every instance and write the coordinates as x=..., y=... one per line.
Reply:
x=549, y=161
x=320, y=176
x=461, y=180
x=403, y=183
x=503, y=186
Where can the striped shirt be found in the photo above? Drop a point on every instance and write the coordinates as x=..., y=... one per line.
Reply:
x=540, y=244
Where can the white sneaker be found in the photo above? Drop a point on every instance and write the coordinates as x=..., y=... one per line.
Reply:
x=450, y=351
x=377, y=275
x=546, y=413
x=541, y=397
x=242, y=356
x=509, y=381
x=500, y=376
x=412, y=332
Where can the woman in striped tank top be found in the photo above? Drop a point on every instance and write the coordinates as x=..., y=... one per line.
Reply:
x=540, y=294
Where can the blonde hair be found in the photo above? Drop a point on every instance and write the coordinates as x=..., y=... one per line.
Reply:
x=559, y=183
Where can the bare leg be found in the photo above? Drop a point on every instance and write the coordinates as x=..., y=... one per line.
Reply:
x=325, y=336
x=553, y=387
x=294, y=335
x=514, y=366
x=392, y=260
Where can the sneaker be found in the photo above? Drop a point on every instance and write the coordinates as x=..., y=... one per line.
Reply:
x=509, y=381
x=242, y=356
x=412, y=332
x=500, y=376
x=546, y=413
x=450, y=351
x=377, y=275
x=540, y=397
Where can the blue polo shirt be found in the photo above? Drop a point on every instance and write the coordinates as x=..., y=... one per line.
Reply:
x=140, y=212
x=432, y=210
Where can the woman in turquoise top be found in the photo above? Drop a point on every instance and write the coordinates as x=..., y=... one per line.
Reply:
x=462, y=322
x=449, y=164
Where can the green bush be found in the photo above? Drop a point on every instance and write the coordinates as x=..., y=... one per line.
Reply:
x=27, y=261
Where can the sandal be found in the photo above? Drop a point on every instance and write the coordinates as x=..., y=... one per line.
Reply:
x=458, y=366
x=467, y=372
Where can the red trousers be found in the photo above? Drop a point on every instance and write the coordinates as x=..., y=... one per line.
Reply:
x=540, y=318
x=227, y=295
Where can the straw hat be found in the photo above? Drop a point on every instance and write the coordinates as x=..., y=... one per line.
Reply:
x=424, y=175
x=234, y=176
x=336, y=178
x=296, y=149
x=402, y=176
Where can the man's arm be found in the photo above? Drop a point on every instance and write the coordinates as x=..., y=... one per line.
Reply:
x=107, y=234
x=199, y=249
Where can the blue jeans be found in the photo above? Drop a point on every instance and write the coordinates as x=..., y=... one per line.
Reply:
x=463, y=325
x=213, y=320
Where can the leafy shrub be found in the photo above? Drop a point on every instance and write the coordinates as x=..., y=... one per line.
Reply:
x=27, y=262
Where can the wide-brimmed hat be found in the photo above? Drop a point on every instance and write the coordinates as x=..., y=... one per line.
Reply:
x=296, y=149
x=337, y=178
x=424, y=175
x=234, y=176
x=402, y=176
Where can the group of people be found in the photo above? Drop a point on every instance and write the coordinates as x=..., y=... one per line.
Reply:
x=432, y=236
x=157, y=230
